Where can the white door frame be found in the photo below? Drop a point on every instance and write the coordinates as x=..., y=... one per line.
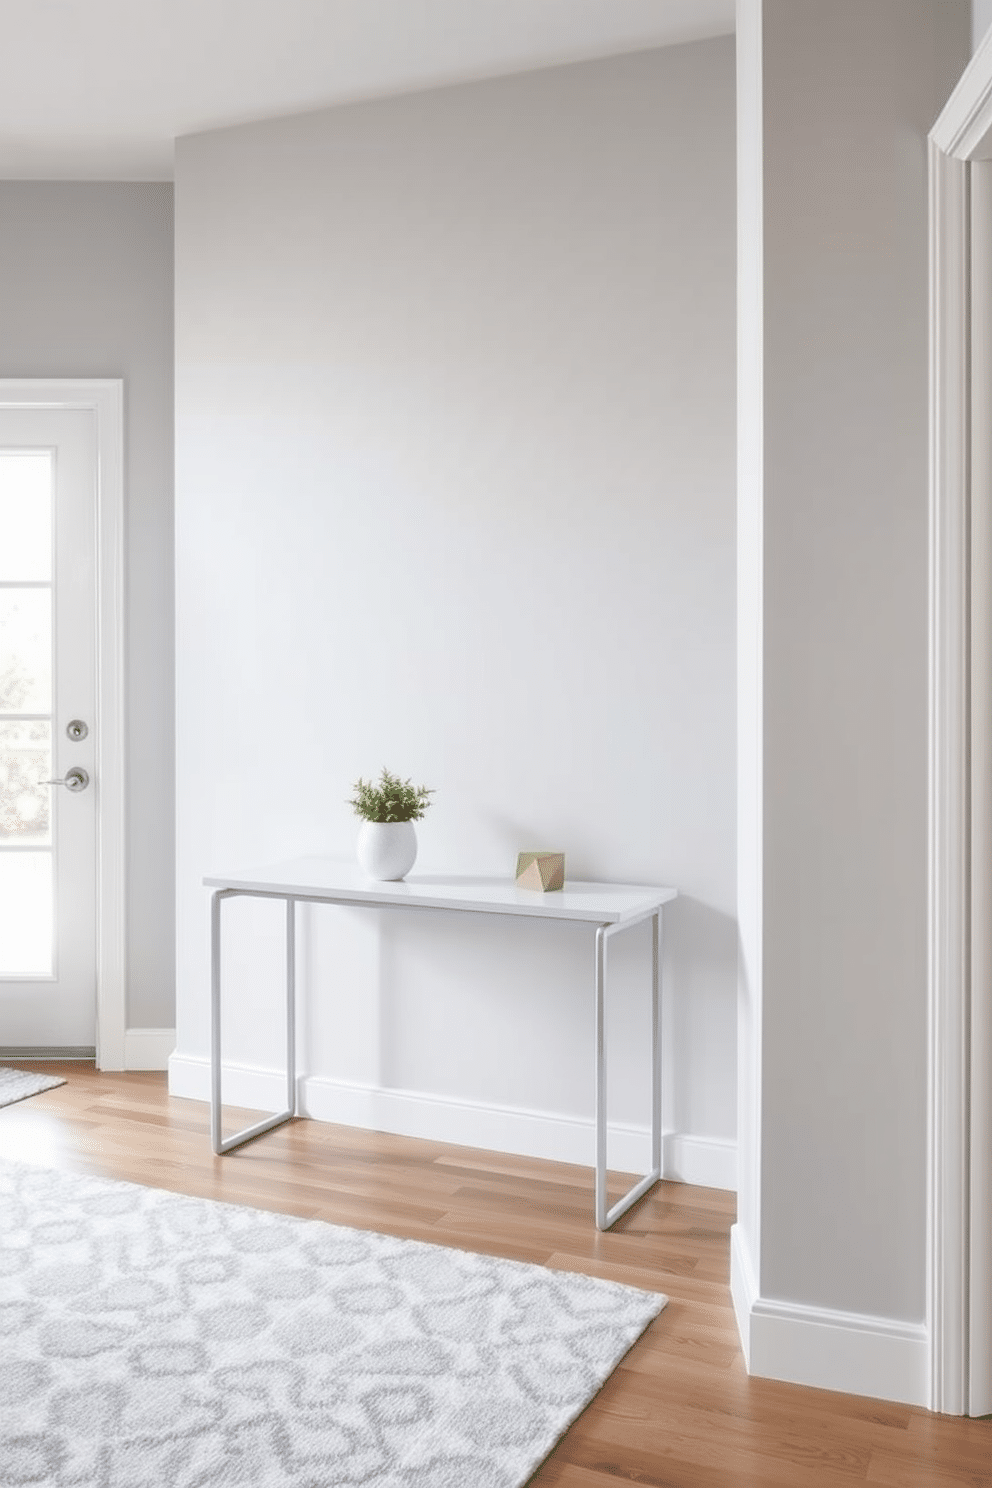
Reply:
x=959, y=1155
x=104, y=397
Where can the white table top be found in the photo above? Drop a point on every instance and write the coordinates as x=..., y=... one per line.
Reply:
x=342, y=882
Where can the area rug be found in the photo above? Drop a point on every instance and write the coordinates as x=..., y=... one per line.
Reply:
x=151, y=1339
x=17, y=1085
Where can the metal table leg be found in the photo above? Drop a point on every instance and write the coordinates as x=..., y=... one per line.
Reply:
x=223, y=1144
x=607, y=1217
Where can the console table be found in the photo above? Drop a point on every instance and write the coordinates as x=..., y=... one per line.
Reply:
x=612, y=908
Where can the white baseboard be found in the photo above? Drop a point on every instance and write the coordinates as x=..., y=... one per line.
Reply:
x=148, y=1048
x=705, y=1162
x=860, y=1355
x=408, y=1113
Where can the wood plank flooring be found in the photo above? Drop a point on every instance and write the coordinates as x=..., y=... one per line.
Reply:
x=679, y=1412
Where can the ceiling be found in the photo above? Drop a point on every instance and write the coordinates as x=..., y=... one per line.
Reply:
x=99, y=89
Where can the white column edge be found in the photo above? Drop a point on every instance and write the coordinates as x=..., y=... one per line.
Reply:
x=948, y=785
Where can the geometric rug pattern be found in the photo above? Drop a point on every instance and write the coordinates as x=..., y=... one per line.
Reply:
x=18, y=1084
x=151, y=1339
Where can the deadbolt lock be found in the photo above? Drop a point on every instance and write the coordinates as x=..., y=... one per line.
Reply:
x=76, y=730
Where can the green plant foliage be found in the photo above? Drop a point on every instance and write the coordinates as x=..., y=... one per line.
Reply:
x=392, y=800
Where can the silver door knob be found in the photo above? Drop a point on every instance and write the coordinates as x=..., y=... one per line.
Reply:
x=76, y=779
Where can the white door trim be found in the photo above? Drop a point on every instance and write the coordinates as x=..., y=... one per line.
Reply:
x=980, y=705
x=105, y=398
x=959, y=1254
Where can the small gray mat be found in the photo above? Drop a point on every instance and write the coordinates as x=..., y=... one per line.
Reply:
x=17, y=1085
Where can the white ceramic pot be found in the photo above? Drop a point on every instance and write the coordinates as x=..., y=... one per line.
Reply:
x=387, y=850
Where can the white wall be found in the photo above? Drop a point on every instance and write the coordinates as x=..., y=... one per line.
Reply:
x=832, y=1239
x=456, y=495
x=86, y=291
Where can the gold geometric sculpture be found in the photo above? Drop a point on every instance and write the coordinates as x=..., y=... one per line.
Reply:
x=541, y=870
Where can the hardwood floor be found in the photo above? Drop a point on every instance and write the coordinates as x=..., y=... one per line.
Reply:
x=679, y=1412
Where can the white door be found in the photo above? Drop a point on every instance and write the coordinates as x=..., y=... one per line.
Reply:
x=48, y=727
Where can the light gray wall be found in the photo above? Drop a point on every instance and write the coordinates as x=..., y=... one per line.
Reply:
x=455, y=494
x=838, y=1183
x=86, y=291
x=981, y=11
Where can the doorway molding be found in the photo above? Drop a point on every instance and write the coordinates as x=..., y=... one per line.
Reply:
x=104, y=397
x=959, y=1146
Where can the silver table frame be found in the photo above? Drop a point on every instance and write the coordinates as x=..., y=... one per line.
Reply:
x=605, y=1216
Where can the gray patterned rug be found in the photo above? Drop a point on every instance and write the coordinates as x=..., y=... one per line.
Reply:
x=16, y=1085
x=156, y=1341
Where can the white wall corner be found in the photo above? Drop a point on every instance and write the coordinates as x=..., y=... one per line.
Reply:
x=827, y=1350
x=148, y=1048
x=704, y=1162
x=880, y=1358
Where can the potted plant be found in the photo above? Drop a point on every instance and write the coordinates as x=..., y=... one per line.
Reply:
x=387, y=842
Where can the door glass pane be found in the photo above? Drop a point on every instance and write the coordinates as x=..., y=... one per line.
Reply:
x=26, y=514
x=25, y=650
x=25, y=914
x=25, y=759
